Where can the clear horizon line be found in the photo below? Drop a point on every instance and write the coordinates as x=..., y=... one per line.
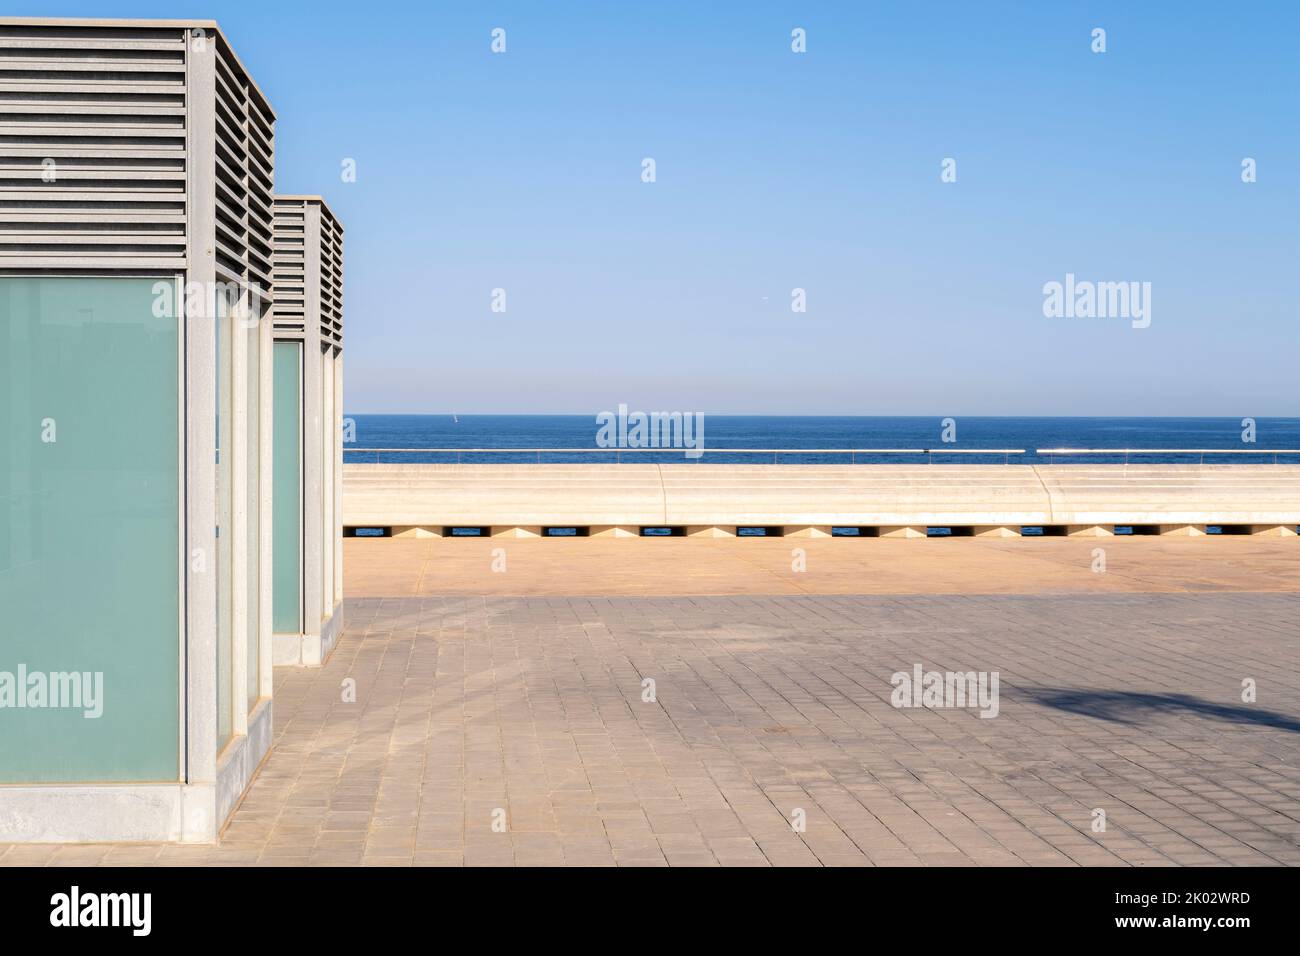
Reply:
x=588, y=414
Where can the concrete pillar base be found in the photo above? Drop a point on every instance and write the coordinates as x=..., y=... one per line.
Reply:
x=294, y=650
x=517, y=532
x=709, y=531
x=614, y=531
x=199, y=815
x=907, y=531
x=1183, y=530
x=1089, y=531
x=996, y=531
x=138, y=812
x=414, y=531
x=1273, y=530
x=806, y=531
x=308, y=650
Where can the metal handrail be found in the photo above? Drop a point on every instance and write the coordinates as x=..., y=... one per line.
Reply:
x=774, y=452
x=729, y=451
x=1049, y=453
x=1167, y=451
x=1126, y=452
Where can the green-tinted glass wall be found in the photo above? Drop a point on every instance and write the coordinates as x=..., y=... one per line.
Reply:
x=90, y=552
x=307, y=615
x=135, y=415
x=287, y=496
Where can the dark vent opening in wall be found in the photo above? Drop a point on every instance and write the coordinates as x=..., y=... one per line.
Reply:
x=1043, y=530
x=662, y=531
x=1137, y=529
x=368, y=532
x=466, y=531
x=851, y=531
x=760, y=531
x=949, y=531
x=565, y=532
x=1227, y=529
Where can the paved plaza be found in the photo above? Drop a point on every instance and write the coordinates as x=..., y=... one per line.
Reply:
x=522, y=730
x=393, y=567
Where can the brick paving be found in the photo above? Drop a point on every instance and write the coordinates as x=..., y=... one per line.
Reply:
x=532, y=708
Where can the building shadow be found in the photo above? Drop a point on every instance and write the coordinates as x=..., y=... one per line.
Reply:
x=1130, y=707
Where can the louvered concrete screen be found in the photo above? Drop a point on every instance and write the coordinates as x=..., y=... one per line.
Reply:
x=289, y=231
x=308, y=268
x=95, y=146
x=126, y=150
x=245, y=146
x=331, y=277
x=142, y=148
x=308, y=313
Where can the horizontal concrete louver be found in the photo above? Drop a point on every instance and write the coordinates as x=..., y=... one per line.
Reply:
x=95, y=132
x=92, y=143
x=308, y=271
x=244, y=181
x=289, y=268
x=331, y=278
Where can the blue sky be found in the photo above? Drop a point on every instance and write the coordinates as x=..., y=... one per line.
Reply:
x=778, y=170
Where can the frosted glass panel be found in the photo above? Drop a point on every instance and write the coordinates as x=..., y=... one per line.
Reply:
x=89, y=532
x=287, y=502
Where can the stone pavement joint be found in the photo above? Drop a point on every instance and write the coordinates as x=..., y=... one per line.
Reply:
x=528, y=713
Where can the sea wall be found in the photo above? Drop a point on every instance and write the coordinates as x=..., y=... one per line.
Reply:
x=903, y=500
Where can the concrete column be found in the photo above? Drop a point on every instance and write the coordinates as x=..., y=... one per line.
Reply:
x=1183, y=530
x=329, y=445
x=807, y=531
x=235, y=538
x=337, y=490
x=1273, y=530
x=266, y=494
x=313, y=438
x=996, y=531
x=199, y=821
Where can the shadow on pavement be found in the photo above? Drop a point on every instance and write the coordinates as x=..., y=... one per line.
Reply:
x=1129, y=707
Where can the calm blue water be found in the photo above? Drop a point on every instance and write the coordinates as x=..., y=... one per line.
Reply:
x=811, y=432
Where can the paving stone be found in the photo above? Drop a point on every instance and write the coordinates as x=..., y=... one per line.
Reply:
x=764, y=706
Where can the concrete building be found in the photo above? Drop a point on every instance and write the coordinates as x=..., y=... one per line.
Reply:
x=135, y=418
x=308, y=321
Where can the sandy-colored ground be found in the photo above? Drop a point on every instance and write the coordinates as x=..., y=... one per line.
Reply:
x=519, y=731
x=394, y=567
x=518, y=695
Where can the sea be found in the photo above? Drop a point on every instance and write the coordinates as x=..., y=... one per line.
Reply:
x=795, y=439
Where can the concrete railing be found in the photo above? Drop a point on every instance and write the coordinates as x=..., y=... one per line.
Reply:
x=901, y=500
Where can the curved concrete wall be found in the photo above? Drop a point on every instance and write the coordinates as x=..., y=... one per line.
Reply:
x=1172, y=494
x=433, y=495
x=817, y=495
